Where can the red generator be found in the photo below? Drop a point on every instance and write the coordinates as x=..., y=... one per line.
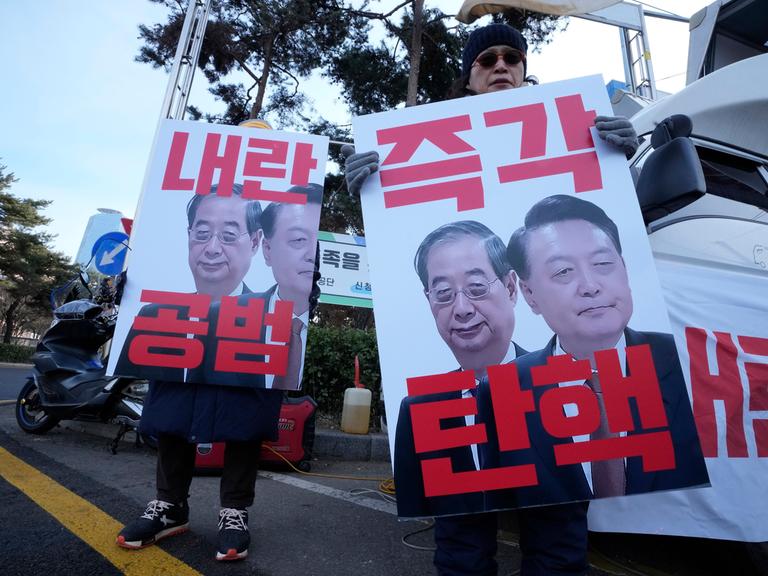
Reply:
x=296, y=437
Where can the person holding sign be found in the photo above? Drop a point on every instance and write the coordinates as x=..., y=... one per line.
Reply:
x=198, y=405
x=494, y=59
x=553, y=539
x=571, y=272
x=471, y=291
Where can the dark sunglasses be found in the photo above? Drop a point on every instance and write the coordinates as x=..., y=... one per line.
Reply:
x=489, y=59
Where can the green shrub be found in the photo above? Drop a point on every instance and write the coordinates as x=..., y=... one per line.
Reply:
x=15, y=353
x=329, y=368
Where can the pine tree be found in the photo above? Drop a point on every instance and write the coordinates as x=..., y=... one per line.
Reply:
x=29, y=269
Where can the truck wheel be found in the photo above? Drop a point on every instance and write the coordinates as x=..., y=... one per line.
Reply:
x=29, y=414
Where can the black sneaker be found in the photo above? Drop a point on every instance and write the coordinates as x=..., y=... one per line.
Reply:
x=233, y=534
x=160, y=520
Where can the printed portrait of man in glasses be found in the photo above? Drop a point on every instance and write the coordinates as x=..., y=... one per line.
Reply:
x=471, y=291
x=224, y=233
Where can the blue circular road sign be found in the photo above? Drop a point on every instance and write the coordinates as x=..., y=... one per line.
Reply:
x=109, y=252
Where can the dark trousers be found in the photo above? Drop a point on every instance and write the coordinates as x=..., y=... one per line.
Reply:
x=553, y=542
x=466, y=545
x=176, y=465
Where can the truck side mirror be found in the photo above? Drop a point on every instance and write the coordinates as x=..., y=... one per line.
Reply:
x=672, y=176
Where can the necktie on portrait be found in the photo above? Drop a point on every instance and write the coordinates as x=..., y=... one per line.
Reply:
x=479, y=449
x=608, y=476
x=295, y=353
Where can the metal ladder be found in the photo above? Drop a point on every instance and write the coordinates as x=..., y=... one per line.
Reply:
x=185, y=61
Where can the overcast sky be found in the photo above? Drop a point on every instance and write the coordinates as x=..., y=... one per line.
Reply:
x=78, y=113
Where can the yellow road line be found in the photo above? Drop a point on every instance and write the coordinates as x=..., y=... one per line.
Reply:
x=4, y=402
x=87, y=522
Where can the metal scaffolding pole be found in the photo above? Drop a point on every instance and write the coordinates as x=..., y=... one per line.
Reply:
x=185, y=61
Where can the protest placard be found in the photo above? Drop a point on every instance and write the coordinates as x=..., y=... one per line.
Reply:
x=524, y=342
x=222, y=257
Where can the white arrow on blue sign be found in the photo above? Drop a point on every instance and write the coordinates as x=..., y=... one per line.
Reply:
x=109, y=252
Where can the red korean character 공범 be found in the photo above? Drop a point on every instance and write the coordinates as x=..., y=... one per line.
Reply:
x=442, y=133
x=241, y=336
x=162, y=338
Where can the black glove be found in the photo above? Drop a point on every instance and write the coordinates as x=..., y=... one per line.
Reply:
x=120, y=286
x=357, y=167
x=618, y=131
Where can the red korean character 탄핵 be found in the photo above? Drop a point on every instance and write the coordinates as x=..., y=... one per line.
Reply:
x=439, y=477
x=642, y=437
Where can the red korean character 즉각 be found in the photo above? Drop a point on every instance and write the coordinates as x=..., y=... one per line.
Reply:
x=468, y=191
x=575, y=123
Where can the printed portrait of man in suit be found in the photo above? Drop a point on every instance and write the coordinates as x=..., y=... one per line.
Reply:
x=289, y=248
x=470, y=289
x=568, y=258
x=223, y=235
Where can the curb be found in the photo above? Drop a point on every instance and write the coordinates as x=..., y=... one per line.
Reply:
x=15, y=365
x=337, y=445
x=329, y=444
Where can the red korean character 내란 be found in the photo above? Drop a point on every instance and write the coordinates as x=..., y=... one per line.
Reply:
x=241, y=336
x=161, y=338
x=640, y=385
x=468, y=192
x=303, y=164
x=259, y=151
x=575, y=123
x=438, y=474
x=211, y=161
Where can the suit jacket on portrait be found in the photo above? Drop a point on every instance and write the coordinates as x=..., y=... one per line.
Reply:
x=237, y=378
x=409, y=483
x=203, y=408
x=203, y=373
x=568, y=483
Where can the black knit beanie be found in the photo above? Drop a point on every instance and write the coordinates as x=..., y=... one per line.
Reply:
x=491, y=35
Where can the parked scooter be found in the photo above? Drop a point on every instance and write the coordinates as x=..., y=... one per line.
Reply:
x=69, y=379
